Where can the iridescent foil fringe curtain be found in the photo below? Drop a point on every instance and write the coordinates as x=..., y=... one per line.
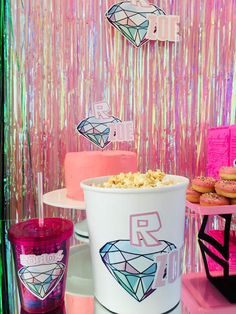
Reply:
x=3, y=267
x=1, y=150
x=63, y=56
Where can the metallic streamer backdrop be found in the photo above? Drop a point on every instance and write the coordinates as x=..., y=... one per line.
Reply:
x=63, y=56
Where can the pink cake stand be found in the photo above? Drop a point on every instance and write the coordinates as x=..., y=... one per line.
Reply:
x=58, y=198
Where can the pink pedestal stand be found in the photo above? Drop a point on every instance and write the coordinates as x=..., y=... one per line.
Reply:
x=211, y=210
x=199, y=296
x=200, y=289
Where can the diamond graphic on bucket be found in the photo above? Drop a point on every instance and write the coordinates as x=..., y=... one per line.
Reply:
x=131, y=20
x=41, y=280
x=97, y=130
x=134, y=268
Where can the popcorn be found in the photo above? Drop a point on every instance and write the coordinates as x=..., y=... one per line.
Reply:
x=137, y=180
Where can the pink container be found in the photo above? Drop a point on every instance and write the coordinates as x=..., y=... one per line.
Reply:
x=221, y=149
x=41, y=259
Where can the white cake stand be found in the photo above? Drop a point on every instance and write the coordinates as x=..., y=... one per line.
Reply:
x=58, y=198
x=81, y=231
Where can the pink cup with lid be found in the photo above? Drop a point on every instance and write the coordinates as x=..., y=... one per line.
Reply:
x=59, y=310
x=41, y=259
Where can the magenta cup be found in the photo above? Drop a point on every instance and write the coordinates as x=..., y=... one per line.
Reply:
x=41, y=259
x=59, y=310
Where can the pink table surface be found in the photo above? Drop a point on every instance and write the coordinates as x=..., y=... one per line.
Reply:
x=211, y=210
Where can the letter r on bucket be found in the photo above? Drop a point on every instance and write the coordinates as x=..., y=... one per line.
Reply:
x=143, y=229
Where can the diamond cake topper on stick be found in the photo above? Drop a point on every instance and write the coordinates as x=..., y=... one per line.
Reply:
x=97, y=130
x=131, y=19
x=140, y=21
x=101, y=127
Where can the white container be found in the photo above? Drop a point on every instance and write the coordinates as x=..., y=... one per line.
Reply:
x=136, y=241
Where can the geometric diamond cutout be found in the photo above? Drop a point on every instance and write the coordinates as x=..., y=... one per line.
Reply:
x=97, y=130
x=131, y=20
x=41, y=280
x=134, y=268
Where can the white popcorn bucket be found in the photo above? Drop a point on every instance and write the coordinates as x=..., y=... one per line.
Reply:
x=136, y=242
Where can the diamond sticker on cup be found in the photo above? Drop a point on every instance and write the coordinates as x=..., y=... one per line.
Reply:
x=41, y=280
x=134, y=268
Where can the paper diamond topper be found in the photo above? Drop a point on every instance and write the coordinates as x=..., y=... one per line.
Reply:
x=134, y=268
x=41, y=280
x=131, y=20
x=97, y=130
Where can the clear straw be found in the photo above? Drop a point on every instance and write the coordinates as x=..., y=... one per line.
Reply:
x=40, y=199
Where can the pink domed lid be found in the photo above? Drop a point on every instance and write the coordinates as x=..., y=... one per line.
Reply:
x=29, y=232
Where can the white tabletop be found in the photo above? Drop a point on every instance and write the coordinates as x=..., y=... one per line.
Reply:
x=79, y=277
